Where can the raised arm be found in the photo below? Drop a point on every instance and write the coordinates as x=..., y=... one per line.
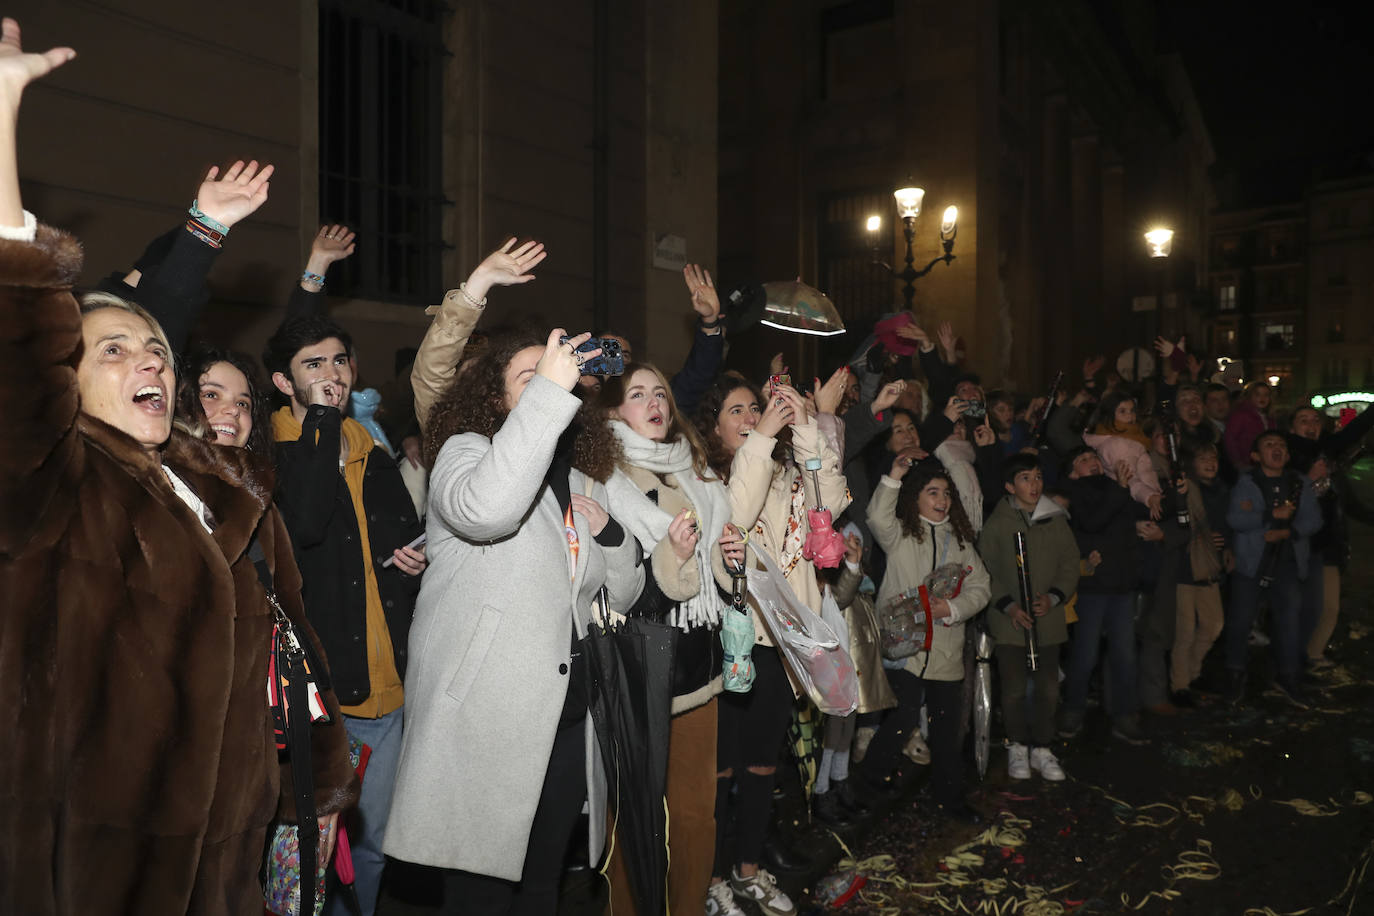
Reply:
x=331, y=243
x=708, y=344
x=482, y=489
x=40, y=329
x=436, y=363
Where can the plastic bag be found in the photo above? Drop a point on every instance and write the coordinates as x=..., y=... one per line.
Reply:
x=812, y=650
x=905, y=620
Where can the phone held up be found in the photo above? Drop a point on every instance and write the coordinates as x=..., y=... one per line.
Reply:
x=610, y=362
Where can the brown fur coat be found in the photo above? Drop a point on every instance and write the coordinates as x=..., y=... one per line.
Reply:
x=140, y=774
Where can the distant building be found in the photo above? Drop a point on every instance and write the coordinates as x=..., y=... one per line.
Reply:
x=1292, y=289
x=1056, y=128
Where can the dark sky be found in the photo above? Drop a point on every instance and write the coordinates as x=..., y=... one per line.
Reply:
x=1287, y=91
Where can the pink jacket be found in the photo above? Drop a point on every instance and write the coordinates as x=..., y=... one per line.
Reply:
x=1115, y=449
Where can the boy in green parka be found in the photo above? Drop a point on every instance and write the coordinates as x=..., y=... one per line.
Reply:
x=1052, y=553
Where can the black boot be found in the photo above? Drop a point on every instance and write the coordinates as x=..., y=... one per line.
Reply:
x=849, y=798
x=828, y=809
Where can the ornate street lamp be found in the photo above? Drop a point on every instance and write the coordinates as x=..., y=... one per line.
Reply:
x=909, y=200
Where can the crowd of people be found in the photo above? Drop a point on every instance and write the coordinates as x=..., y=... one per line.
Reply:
x=160, y=519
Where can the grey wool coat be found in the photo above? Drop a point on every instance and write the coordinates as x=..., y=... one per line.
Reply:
x=489, y=657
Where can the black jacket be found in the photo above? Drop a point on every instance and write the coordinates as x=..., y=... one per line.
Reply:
x=318, y=510
x=1103, y=517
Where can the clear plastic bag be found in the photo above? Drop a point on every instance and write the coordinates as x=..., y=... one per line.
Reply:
x=905, y=621
x=813, y=651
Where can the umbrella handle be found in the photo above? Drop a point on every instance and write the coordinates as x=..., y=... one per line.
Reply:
x=604, y=601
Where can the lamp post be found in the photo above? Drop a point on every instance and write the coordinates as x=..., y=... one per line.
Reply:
x=909, y=200
x=1160, y=243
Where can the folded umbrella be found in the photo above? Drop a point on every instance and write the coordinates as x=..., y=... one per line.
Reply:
x=630, y=698
x=982, y=700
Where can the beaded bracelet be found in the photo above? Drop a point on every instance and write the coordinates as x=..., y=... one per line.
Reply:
x=463, y=290
x=308, y=277
x=206, y=235
x=209, y=221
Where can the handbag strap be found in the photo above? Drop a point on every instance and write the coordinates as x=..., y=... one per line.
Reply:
x=297, y=735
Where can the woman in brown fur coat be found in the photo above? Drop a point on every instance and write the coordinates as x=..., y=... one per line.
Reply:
x=140, y=773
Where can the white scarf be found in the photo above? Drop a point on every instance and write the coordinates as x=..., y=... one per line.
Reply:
x=957, y=456
x=649, y=524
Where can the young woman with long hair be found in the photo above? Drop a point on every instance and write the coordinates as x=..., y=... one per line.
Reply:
x=770, y=495
x=497, y=734
x=678, y=509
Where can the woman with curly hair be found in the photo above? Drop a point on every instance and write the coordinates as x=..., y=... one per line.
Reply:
x=917, y=517
x=769, y=496
x=498, y=755
x=679, y=511
x=222, y=386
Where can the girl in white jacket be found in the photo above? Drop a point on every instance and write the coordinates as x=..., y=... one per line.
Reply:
x=917, y=517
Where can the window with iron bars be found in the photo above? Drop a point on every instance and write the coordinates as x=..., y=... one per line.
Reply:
x=862, y=291
x=381, y=70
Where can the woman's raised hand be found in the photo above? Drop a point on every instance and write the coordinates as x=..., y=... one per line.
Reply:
x=508, y=265
x=18, y=69
x=829, y=395
x=888, y=396
x=235, y=195
x=705, y=302
x=561, y=363
x=683, y=535
x=777, y=413
x=332, y=243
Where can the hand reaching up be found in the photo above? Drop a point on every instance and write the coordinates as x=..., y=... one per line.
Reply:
x=704, y=299
x=509, y=265
x=949, y=342
x=888, y=396
x=18, y=69
x=332, y=243
x=237, y=194
x=829, y=395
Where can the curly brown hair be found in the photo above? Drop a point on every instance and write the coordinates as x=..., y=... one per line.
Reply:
x=707, y=413
x=908, y=502
x=475, y=402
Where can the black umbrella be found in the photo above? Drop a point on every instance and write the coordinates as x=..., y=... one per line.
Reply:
x=630, y=668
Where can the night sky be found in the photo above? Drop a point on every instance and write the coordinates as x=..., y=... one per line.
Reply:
x=1286, y=91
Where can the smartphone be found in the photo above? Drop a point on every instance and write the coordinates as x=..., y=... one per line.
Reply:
x=418, y=542
x=611, y=361
x=775, y=380
x=975, y=409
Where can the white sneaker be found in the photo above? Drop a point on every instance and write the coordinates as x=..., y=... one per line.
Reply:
x=916, y=750
x=863, y=737
x=1018, y=763
x=762, y=890
x=1043, y=761
x=720, y=901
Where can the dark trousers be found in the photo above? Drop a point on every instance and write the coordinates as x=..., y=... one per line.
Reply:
x=560, y=804
x=944, y=701
x=1011, y=665
x=750, y=727
x=1112, y=615
x=1285, y=608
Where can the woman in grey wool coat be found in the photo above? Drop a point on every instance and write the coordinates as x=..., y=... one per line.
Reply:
x=498, y=755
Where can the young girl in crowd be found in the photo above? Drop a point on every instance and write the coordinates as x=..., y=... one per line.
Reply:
x=1118, y=439
x=916, y=515
x=770, y=495
x=497, y=734
x=666, y=495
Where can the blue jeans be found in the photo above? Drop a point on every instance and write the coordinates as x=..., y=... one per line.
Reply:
x=1114, y=616
x=368, y=824
x=1285, y=607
